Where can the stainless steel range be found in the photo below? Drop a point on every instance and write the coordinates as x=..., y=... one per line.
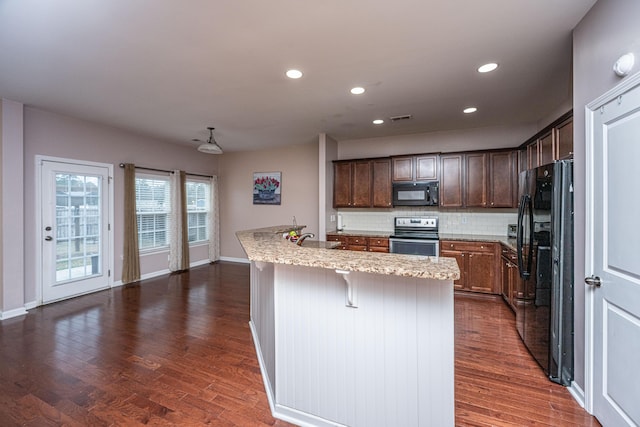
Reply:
x=415, y=236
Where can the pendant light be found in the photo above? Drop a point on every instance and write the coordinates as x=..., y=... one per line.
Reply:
x=211, y=146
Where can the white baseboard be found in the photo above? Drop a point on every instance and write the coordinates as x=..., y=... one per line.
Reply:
x=576, y=391
x=4, y=315
x=231, y=259
x=30, y=305
x=155, y=274
x=199, y=263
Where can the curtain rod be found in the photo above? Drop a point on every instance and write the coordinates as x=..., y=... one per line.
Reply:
x=167, y=171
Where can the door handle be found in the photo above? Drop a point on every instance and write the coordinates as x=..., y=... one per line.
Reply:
x=48, y=238
x=593, y=281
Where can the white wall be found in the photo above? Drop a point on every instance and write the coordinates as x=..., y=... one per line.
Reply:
x=55, y=135
x=328, y=152
x=11, y=209
x=609, y=30
x=434, y=142
x=299, y=198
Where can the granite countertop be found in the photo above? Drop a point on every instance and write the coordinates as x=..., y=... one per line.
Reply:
x=365, y=233
x=510, y=242
x=268, y=245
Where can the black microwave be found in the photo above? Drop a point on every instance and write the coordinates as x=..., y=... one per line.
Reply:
x=415, y=194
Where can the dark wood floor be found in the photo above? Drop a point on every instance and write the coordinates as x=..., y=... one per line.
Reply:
x=178, y=351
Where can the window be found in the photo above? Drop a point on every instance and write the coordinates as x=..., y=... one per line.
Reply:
x=198, y=209
x=153, y=207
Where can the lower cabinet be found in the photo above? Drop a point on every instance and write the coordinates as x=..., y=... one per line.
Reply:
x=360, y=243
x=478, y=265
x=512, y=284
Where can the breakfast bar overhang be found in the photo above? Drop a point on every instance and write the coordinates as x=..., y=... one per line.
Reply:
x=352, y=338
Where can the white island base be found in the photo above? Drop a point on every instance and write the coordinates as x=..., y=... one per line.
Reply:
x=354, y=348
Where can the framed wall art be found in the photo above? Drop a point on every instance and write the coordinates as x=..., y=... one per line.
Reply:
x=267, y=188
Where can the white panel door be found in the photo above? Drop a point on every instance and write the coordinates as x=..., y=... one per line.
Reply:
x=614, y=284
x=74, y=219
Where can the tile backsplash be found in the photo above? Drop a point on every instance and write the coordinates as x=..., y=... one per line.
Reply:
x=463, y=221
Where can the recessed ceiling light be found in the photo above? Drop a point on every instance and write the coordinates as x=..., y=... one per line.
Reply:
x=294, y=74
x=470, y=110
x=357, y=90
x=378, y=121
x=488, y=67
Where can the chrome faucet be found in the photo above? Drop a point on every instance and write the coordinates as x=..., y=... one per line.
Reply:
x=303, y=237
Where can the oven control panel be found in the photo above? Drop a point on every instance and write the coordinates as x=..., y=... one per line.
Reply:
x=417, y=222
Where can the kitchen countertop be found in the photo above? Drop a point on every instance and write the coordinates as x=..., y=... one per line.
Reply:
x=365, y=233
x=268, y=245
x=510, y=242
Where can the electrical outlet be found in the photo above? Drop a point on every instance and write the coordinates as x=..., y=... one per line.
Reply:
x=332, y=218
x=464, y=219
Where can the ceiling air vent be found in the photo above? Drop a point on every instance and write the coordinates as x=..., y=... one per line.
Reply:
x=399, y=118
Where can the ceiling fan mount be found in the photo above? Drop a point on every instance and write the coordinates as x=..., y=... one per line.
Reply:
x=211, y=146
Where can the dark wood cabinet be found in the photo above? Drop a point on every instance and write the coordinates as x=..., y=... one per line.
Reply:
x=485, y=179
x=362, y=183
x=555, y=142
x=416, y=168
x=402, y=169
x=461, y=283
x=338, y=238
x=357, y=243
x=532, y=155
x=451, y=180
x=342, y=184
x=427, y=167
x=512, y=284
x=545, y=149
x=378, y=244
x=503, y=179
x=360, y=243
x=523, y=160
x=564, y=140
x=475, y=190
x=477, y=262
x=381, y=183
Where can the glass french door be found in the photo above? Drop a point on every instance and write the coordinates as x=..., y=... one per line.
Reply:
x=75, y=243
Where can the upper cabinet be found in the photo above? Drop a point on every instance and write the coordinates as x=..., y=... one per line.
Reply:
x=362, y=183
x=478, y=179
x=342, y=184
x=451, y=180
x=555, y=142
x=475, y=188
x=381, y=183
x=502, y=188
x=422, y=167
x=564, y=138
x=483, y=179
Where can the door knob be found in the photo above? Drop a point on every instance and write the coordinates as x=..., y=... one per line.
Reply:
x=48, y=238
x=593, y=281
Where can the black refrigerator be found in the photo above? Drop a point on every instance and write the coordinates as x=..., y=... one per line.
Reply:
x=544, y=310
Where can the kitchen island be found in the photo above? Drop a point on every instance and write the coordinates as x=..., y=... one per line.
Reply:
x=351, y=338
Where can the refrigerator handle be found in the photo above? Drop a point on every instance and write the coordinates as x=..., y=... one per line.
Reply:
x=525, y=205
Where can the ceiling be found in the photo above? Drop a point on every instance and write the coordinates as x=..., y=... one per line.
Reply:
x=168, y=69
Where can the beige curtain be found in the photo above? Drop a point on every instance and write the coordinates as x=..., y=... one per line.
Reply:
x=179, y=237
x=131, y=258
x=214, y=222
